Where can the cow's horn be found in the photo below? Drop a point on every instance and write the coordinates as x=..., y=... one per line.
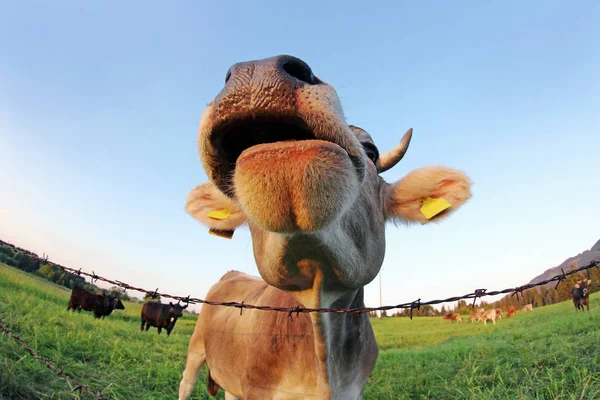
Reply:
x=392, y=157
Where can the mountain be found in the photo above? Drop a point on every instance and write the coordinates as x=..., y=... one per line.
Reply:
x=579, y=260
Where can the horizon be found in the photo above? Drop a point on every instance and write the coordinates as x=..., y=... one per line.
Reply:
x=195, y=307
x=101, y=106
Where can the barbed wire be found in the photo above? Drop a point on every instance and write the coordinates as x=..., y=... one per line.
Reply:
x=417, y=304
x=76, y=386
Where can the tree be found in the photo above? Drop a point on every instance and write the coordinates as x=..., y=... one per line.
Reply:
x=148, y=296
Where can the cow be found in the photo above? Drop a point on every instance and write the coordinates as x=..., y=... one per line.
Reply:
x=527, y=307
x=452, y=317
x=110, y=304
x=511, y=311
x=161, y=315
x=489, y=315
x=580, y=294
x=498, y=313
x=474, y=317
x=282, y=160
x=101, y=305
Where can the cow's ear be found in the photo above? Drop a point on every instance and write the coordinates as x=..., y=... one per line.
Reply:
x=427, y=194
x=171, y=304
x=184, y=307
x=589, y=281
x=212, y=208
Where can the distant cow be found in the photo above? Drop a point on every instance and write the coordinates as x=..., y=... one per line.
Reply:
x=527, y=307
x=161, y=315
x=511, y=311
x=489, y=315
x=453, y=317
x=498, y=313
x=580, y=294
x=475, y=317
x=110, y=304
x=101, y=305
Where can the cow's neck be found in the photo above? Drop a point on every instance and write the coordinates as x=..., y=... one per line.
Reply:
x=313, y=270
x=344, y=342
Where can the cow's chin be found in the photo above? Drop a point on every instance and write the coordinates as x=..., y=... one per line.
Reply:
x=295, y=186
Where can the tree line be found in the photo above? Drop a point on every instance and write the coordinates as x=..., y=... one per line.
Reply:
x=21, y=259
x=539, y=296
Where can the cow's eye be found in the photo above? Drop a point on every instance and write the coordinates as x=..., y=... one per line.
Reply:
x=371, y=151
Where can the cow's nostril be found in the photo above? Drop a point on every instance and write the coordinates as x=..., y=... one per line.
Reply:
x=228, y=75
x=300, y=70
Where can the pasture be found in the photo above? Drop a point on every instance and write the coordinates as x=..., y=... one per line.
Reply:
x=550, y=353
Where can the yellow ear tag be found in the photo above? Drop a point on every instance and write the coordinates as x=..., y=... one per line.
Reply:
x=221, y=233
x=220, y=214
x=432, y=207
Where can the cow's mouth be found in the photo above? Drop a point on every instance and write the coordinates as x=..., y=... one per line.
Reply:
x=230, y=140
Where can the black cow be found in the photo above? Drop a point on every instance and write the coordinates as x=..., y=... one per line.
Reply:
x=101, y=305
x=111, y=303
x=161, y=315
x=580, y=294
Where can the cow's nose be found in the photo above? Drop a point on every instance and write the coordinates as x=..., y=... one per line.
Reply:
x=285, y=68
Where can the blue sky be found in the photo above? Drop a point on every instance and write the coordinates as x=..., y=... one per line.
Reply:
x=100, y=104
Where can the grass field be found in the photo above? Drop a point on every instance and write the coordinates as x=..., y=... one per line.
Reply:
x=550, y=353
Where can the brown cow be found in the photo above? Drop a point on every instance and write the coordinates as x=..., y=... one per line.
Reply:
x=452, y=317
x=489, y=315
x=282, y=159
x=102, y=305
x=474, y=317
x=161, y=315
x=498, y=313
x=580, y=294
x=527, y=307
x=511, y=311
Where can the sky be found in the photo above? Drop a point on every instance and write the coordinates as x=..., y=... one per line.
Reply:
x=100, y=104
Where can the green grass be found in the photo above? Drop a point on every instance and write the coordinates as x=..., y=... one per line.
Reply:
x=111, y=355
x=550, y=353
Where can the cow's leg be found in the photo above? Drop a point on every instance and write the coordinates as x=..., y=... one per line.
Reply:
x=196, y=359
x=587, y=304
x=159, y=328
x=147, y=327
x=143, y=323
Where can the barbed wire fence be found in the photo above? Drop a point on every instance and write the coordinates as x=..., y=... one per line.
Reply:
x=478, y=293
x=76, y=386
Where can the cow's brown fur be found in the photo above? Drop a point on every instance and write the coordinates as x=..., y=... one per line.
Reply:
x=580, y=294
x=489, y=315
x=453, y=317
x=511, y=311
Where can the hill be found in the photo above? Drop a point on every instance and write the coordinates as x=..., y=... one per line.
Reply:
x=579, y=260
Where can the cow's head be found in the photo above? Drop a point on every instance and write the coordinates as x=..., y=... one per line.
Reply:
x=114, y=302
x=584, y=286
x=176, y=310
x=281, y=158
